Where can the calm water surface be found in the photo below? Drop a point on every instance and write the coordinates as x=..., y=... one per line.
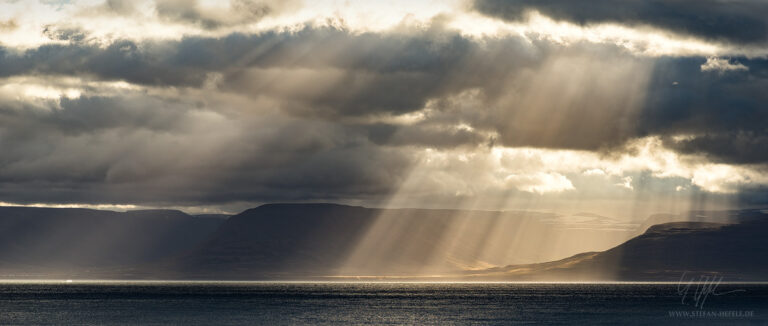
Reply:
x=179, y=303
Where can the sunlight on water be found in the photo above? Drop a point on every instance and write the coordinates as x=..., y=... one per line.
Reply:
x=238, y=303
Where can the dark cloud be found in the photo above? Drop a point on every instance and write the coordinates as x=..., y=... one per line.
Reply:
x=85, y=115
x=192, y=147
x=304, y=115
x=148, y=150
x=741, y=147
x=683, y=99
x=370, y=72
x=239, y=11
x=530, y=94
x=725, y=115
x=740, y=21
x=121, y=60
x=70, y=34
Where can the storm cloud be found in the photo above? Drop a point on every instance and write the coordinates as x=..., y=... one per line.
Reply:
x=141, y=149
x=239, y=11
x=741, y=21
x=324, y=112
x=332, y=73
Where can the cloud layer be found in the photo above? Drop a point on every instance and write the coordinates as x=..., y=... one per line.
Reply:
x=741, y=21
x=228, y=114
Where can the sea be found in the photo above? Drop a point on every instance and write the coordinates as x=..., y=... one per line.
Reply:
x=300, y=303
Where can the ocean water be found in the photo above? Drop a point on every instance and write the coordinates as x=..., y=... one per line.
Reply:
x=226, y=303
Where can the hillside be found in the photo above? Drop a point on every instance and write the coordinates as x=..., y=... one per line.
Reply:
x=311, y=241
x=663, y=253
x=301, y=240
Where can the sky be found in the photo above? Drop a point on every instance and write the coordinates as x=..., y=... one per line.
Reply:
x=624, y=108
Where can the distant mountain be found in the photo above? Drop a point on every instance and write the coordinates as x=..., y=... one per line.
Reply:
x=308, y=241
x=217, y=216
x=727, y=217
x=50, y=240
x=280, y=238
x=299, y=240
x=663, y=253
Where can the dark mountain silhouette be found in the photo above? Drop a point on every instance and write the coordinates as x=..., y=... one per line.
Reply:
x=279, y=238
x=303, y=240
x=663, y=253
x=310, y=241
x=43, y=240
x=217, y=216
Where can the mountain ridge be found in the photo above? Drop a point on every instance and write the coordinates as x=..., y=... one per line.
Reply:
x=316, y=241
x=664, y=252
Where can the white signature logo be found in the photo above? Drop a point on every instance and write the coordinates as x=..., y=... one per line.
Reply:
x=697, y=290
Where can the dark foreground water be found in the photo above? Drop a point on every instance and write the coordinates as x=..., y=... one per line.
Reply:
x=376, y=303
